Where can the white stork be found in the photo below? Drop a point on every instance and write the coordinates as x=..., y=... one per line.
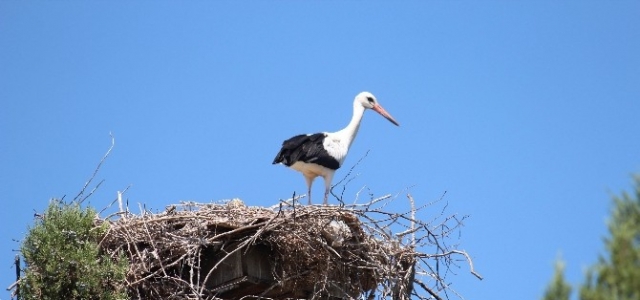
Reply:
x=321, y=154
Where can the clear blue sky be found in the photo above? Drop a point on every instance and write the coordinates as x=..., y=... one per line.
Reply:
x=525, y=112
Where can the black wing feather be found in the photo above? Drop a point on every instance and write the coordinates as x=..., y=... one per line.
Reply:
x=306, y=148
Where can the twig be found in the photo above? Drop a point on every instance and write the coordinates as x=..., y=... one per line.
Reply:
x=347, y=175
x=113, y=142
x=448, y=253
x=113, y=202
x=427, y=289
x=95, y=188
x=413, y=220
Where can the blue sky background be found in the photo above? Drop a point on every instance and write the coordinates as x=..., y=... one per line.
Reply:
x=524, y=112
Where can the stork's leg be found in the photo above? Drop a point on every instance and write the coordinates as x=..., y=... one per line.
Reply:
x=326, y=196
x=327, y=186
x=309, y=180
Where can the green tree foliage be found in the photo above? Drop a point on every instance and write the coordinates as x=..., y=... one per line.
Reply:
x=617, y=276
x=63, y=259
x=558, y=288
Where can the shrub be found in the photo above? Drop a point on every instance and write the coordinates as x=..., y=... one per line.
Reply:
x=63, y=258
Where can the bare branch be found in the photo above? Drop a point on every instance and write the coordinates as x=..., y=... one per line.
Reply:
x=449, y=253
x=347, y=177
x=95, y=172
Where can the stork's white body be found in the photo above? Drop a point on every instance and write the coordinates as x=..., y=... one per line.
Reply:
x=337, y=146
x=321, y=154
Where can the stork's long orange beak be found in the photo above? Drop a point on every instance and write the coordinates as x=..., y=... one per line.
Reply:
x=385, y=114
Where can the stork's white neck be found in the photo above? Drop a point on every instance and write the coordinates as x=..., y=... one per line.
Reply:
x=349, y=133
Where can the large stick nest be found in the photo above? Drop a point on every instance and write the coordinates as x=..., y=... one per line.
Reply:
x=231, y=251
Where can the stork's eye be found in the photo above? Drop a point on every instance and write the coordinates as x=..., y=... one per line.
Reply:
x=371, y=100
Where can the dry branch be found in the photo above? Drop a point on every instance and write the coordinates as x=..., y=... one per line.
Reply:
x=95, y=172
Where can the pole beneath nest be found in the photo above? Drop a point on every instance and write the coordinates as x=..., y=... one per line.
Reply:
x=17, y=262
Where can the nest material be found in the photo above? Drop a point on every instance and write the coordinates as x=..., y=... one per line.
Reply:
x=310, y=250
x=230, y=251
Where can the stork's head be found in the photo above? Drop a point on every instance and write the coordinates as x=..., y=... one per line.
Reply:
x=369, y=101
